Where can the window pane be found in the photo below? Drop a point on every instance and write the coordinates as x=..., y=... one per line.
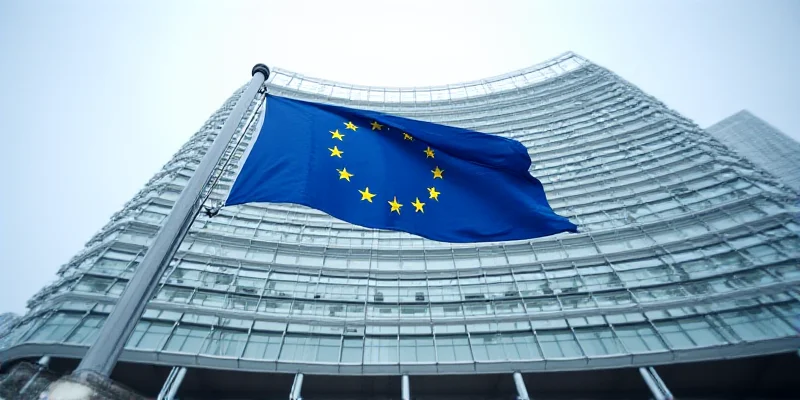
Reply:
x=225, y=343
x=380, y=350
x=328, y=349
x=453, y=348
x=756, y=324
x=87, y=332
x=263, y=346
x=149, y=335
x=559, y=344
x=701, y=332
x=674, y=335
x=488, y=347
x=187, y=339
x=598, y=341
x=55, y=328
x=639, y=338
x=417, y=349
x=352, y=350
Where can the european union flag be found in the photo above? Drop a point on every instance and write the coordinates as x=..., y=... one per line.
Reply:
x=382, y=171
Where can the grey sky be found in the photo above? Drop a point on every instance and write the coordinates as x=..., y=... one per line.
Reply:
x=96, y=96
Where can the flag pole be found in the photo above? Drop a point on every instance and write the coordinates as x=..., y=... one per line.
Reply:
x=104, y=352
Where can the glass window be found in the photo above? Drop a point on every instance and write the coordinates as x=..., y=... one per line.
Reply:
x=149, y=335
x=611, y=299
x=174, y=294
x=246, y=303
x=756, y=324
x=446, y=310
x=639, y=338
x=263, y=346
x=417, y=349
x=227, y=343
x=93, y=284
x=56, y=328
x=352, y=350
x=299, y=348
x=507, y=346
x=701, y=332
x=328, y=349
x=109, y=266
x=488, y=347
x=598, y=341
x=209, y=299
x=187, y=339
x=509, y=307
x=674, y=335
x=380, y=350
x=559, y=344
x=542, y=304
x=453, y=348
x=87, y=331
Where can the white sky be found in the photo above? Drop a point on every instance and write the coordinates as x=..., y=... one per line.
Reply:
x=96, y=97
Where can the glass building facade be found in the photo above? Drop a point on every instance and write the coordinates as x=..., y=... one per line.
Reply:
x=686, y=253
x=762, y=144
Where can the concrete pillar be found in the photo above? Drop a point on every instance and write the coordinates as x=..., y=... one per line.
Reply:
x=522, y=391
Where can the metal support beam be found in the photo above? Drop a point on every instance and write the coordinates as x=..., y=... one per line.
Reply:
x=40, y=365
x=297, y=386
x=651, y=384
x=405, y=388
x=661, y=384
x=522, y=391
x=167, y=383
x=176, y=384
x=104, y=353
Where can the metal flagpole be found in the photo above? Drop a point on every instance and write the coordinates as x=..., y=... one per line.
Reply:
x=103, y=354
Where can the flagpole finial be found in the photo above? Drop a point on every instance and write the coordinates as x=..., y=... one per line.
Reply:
x=261, y=68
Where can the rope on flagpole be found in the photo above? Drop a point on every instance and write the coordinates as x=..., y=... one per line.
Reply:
x=212, y=211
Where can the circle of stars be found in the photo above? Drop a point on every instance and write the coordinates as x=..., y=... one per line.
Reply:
x=366, y=195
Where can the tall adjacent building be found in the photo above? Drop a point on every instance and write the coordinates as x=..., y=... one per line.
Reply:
x=688, y=261
x=762, y=144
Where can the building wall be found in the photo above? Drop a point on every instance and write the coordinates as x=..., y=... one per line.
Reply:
x=6, y=322
x=762, y=144
x=685, y=252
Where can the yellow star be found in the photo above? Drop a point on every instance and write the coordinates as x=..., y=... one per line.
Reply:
x=350, y=125
x=407, y=137
x=434, y=193
x=437, y=173
x=429, y=152
x=395, y=205
x=343, y=174
x=336, y=135
x=366, y=195
x=376, y=125
x=418, y=206
x=336, y=152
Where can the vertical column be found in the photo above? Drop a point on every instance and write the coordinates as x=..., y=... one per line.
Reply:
x=405, y=388
x=176, y=384
x=297, y=386
x=658, y=394
x=522, y=391
x=661, y=384
x=167, y=383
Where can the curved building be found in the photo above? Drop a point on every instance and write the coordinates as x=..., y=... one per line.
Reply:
x=688, y=261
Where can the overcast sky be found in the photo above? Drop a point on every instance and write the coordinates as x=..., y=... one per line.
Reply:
x=96, y=96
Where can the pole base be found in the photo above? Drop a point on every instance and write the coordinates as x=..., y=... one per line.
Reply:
x=88, y=386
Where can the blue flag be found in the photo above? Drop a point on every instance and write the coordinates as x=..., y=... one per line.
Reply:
x=386, y=172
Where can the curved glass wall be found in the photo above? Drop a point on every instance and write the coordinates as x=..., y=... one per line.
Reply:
x=685, y=252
